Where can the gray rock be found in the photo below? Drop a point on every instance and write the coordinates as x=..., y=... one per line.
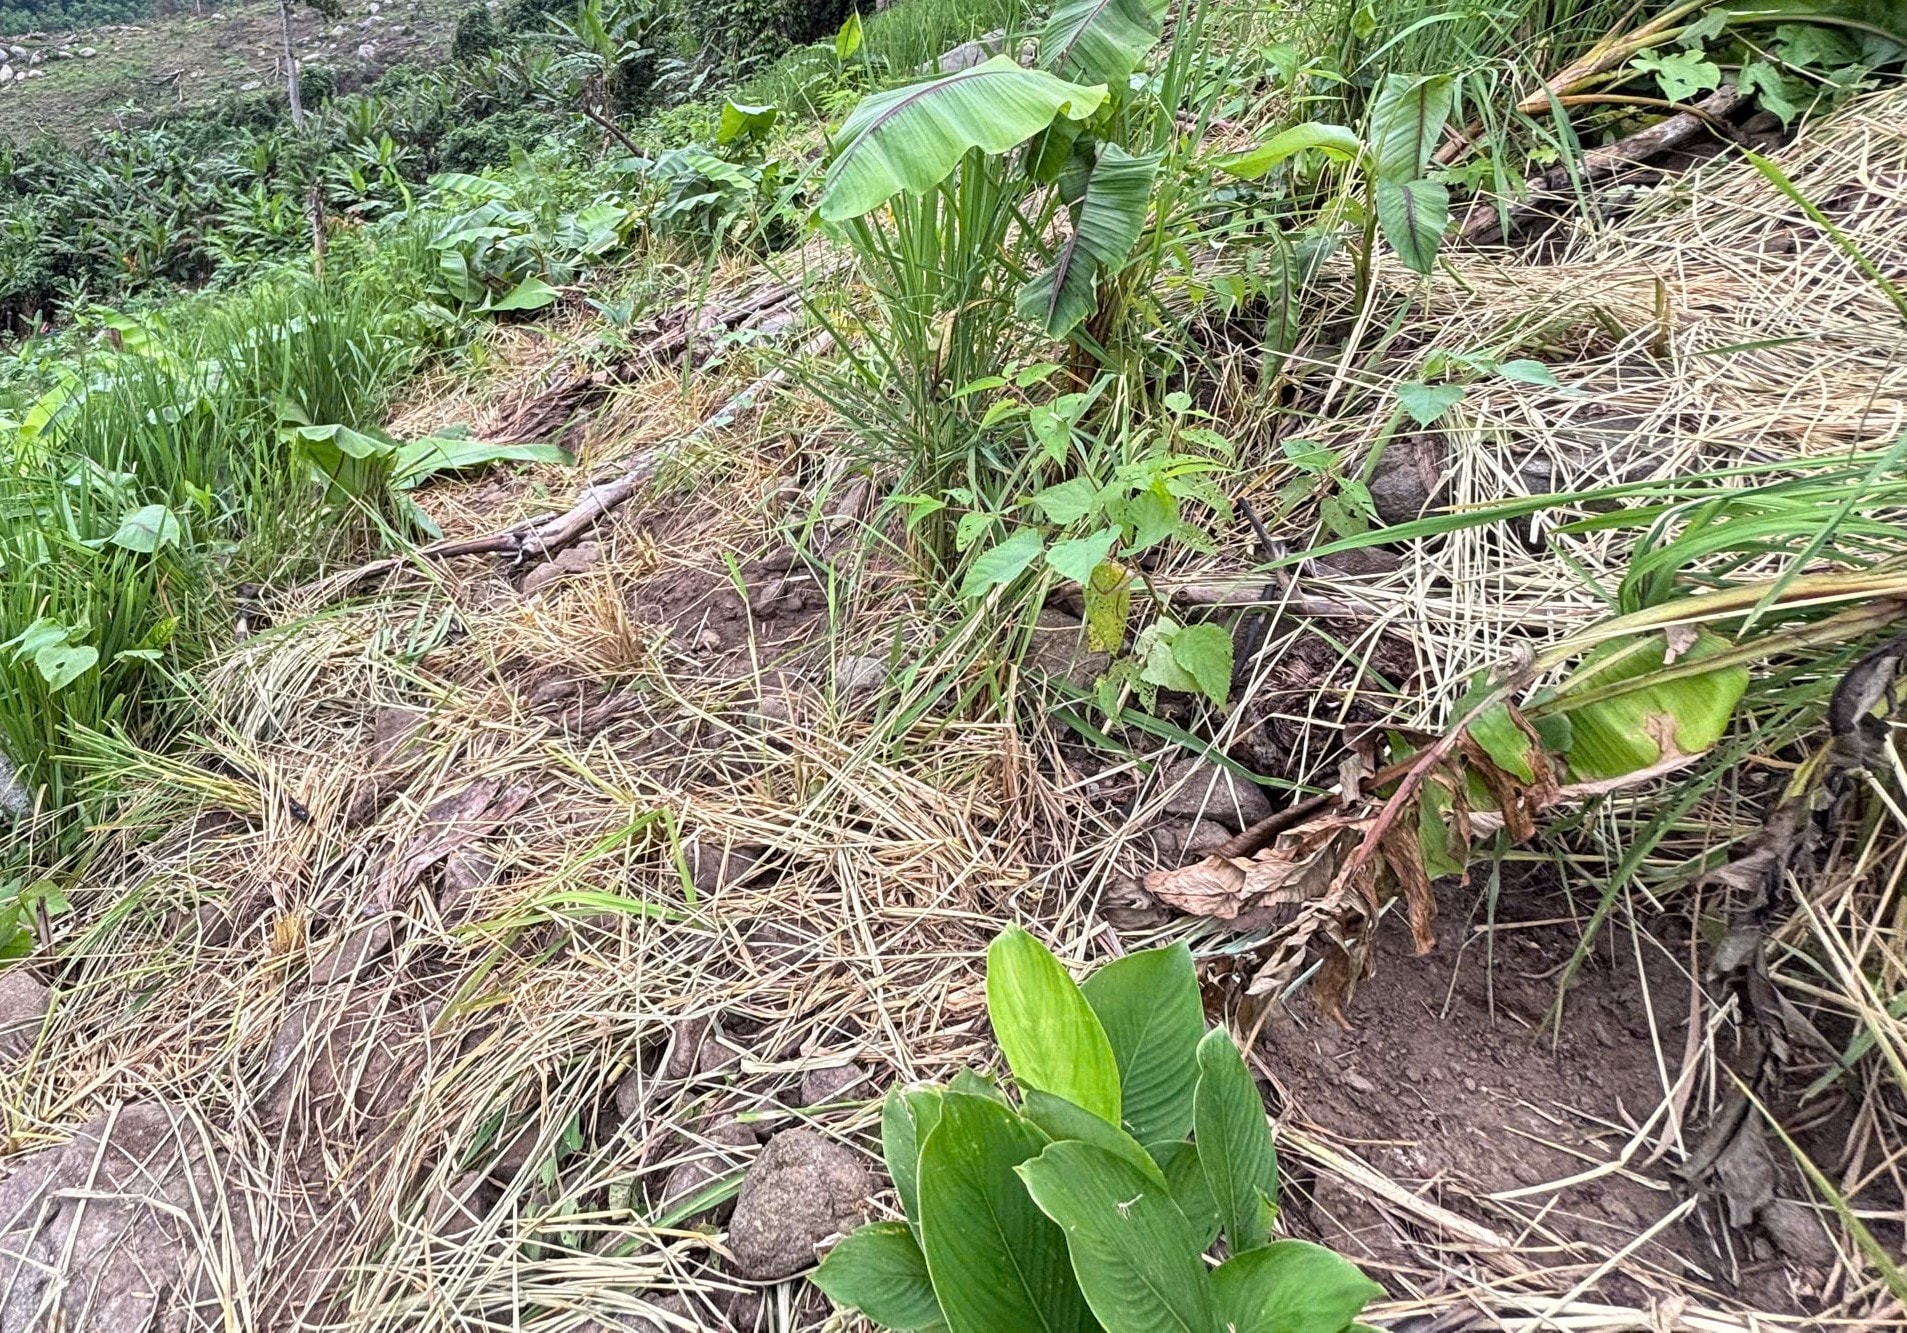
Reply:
x=1177, y=842
x=859, y=675
x=1058, y=649
x=1796, y=1232
x=968, y=54
x=1407, y=481
x=801, y=1190
x=24, y=1004
x=831, y=1082
x=1205, y=790
x=128, y=1228
x=706, y=1163
x=715, y=866
x=250, y=86
x=15, y=799
x=697, y=1049
x=578, y=559
x=86, y=53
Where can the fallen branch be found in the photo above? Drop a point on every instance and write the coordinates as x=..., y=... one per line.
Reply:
x=1709, y=114
x=539, y=539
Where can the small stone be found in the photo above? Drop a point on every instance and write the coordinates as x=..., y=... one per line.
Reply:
x=697, y=1048
x=829, y=1082
x=1406, y=482
x=86, y=53
x=24, y=1005
x=15, y=800
x=1209, y=791
x=859, y=675
x=1796, y=1232
x=801, y=1190
x=1058, y=650
x=707, y=1162
x=714, y=867
x=367, y=50
x=1358, y=1083
x=709, y=641
x=250, y=86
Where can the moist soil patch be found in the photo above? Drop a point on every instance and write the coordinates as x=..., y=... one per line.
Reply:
x=1450, y=1083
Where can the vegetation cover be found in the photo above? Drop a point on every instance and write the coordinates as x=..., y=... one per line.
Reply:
x=567, y=626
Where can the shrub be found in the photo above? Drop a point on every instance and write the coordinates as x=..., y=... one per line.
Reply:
x=1088, y=1196
x=745, y=33
x=477, y=34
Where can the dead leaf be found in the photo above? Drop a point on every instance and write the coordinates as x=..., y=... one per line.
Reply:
x=1251, y=893
x=449, y=825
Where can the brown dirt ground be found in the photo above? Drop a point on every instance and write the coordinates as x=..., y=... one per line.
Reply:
x=1448, y=1083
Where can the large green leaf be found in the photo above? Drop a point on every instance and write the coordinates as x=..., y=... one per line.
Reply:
x=1406, y=117
x=1234, y=1143
x=907, y=1118
x=1149, y=1005
x=996, y=1261
x=880, y=1271
x=1333, y=140
x=1641, y=723
x=1111, y=215
x=433, y=455
x=1186, y=1179
x=1060, y=1119
x=1050, y=1035
x=1291, y=1286
x=1414, y=215
x=147, y=529
x=910, y=139
x=1100, y=41
x=1133, y=1251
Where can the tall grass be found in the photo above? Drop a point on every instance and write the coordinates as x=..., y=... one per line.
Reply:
x=188, y=418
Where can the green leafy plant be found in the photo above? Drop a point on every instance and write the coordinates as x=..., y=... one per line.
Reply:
x=1085, y=1204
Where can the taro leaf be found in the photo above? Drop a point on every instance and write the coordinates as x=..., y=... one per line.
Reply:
x=530, y=294
x=1134, y=1253
x=1646, y=724
x=147, y=529
x=1112, y=213
x=996, y=1261
x=1078, y=558
x=420, y=460
x=1060, y=1119
x=61, y=664
x=1427, y=402
x=1414, y=215
x=1291, y=1286
x=1100, y=41
x=910, y=139
x=880, y=1271
x=1406, y=117
x=1108, y=607
x=1205, y=652
x=1186, y=1179
x=1149, y=1005
x=1050, y=1036
x=1002, y=563
x=1234, y=1143
x=1333, y=140
x=848, y=40
x=743, y=123
x=907, y=1118
x=41, y=634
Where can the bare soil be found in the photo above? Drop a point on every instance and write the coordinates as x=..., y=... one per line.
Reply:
x=1451, y=1083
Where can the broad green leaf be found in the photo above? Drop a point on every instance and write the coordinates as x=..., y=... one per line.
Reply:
x=880, y=1271
x=1426, y=403
x=1774, y=91
x=848, y=40
x=1407, y=115
x=1060, y=1119
x=1186, y=1179
x=1680, y=74
x=910, y=139
x=42, y=633
x=1076, y=559
x=1333, y=140
x=61, y=664
x=147, y=529
x=1067, y=502
x=1205, y=651
x=1002, y=563
x=1149, y=1005
x=1291, y=1286
x=908, y=1116
x=1111, y=215
x=531, y=294
x=419, y=460
x=1495, y=729
x=1133, y=1251
x=349, y=443
x=1108, y=607
x=742, y=123
x=1050, y=1036
x=1436, y=840
x=1234, y=1143
x=1100, y=41
x=996, y=1261
x=1414, y=216
x=1647, y=723
x=1525, y=371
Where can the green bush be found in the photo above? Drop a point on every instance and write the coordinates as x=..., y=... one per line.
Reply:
x=1086, y=1201
x=477, y=34
x=746, y=33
